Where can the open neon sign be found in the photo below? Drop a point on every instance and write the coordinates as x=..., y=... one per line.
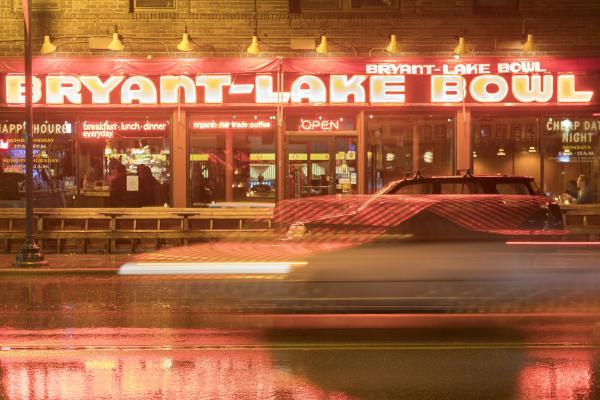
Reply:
x=319, y=125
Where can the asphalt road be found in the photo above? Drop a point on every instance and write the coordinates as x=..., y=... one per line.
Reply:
x=533, y=357
x=378, y=321
x=378, y=277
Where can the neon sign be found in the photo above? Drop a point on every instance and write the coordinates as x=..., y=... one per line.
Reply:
x=140, y=129
x=233, y=124
x=523, y=82
x=46, y=128
x=320, y=125
x=495, y=88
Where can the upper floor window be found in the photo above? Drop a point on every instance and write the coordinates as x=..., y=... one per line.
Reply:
x=496, y=6
x=333, y=5
x=365, y=4
x=38, y=5
x=153, y=5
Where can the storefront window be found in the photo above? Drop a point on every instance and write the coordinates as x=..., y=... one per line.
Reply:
x=124, y=163
x=232, y=158
x=400, y=145
x=507, y=146
x=54, y=172
x=571, y=157
x=567, y=143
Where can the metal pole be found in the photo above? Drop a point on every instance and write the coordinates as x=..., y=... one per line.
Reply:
x=30, y=254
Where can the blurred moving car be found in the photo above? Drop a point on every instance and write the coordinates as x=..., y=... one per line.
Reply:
x=433, y=208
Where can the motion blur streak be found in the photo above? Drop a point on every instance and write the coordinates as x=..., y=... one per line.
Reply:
x=220, y=268
x=557, y=244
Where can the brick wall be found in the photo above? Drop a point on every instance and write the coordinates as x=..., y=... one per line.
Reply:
x=223, y=27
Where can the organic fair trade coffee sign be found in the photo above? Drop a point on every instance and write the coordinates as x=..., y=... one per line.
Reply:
x=388, y=84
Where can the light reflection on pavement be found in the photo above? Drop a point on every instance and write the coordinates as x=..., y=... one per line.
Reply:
x=531, y=360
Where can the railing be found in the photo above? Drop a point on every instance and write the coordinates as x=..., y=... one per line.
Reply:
x=59, y=227
x=79, y=229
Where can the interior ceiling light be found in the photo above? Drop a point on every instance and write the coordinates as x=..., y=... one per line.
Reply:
x=459, y=50
x=185, y=44
x=115, y=44
x=532, y=149
x=501, y=152
x=322, y=48
x=474, y=154
x=529, y=45
x=253, y=48
x=47, y=46
x=392, y=47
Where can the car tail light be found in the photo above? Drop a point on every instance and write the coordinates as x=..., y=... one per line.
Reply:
x=553, y=215
x=297, y=230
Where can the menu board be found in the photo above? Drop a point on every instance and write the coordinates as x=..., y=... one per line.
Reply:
x=578, y=138
x=51, y=140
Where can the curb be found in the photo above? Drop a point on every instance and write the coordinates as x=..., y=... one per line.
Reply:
x=58, y=271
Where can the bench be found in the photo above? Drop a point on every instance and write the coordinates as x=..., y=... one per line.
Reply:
x=582, y=220
x=111, y=225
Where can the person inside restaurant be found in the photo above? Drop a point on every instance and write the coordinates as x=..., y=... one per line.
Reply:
x=585, y=194
x=571, y=189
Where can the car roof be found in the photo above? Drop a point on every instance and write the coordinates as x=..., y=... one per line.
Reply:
x=462, y=178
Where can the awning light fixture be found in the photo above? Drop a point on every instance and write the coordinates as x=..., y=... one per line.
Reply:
x=529, y=46
x=115, y=44
x=459, y=50
x=392, y=47
x=186, y=44
x=322, y=48
x=47, y=46
x=254, y=49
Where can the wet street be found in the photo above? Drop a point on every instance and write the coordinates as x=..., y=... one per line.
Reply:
x=427, y=358
x=419, y=321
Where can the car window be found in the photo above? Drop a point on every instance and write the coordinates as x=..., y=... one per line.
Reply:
x=512, y=188
x=460, y=188
x=413, y=188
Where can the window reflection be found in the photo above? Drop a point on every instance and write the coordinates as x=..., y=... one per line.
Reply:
x=400, y=145
x=561, y=152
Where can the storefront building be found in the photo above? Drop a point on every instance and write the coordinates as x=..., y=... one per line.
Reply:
x=189, y=132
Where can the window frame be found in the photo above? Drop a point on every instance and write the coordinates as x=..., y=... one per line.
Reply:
x=511, y=8
x=137, y=8
x=17, y=7
x=346, y=6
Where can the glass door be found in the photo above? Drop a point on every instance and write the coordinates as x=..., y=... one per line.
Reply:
x=346, y=171
x=318, y=166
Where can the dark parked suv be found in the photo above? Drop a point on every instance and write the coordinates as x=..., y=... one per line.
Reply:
x=465, y=184
x=438, y=207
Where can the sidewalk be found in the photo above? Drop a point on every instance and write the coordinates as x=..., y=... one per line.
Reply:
x=210, y=252
x=69, y=263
